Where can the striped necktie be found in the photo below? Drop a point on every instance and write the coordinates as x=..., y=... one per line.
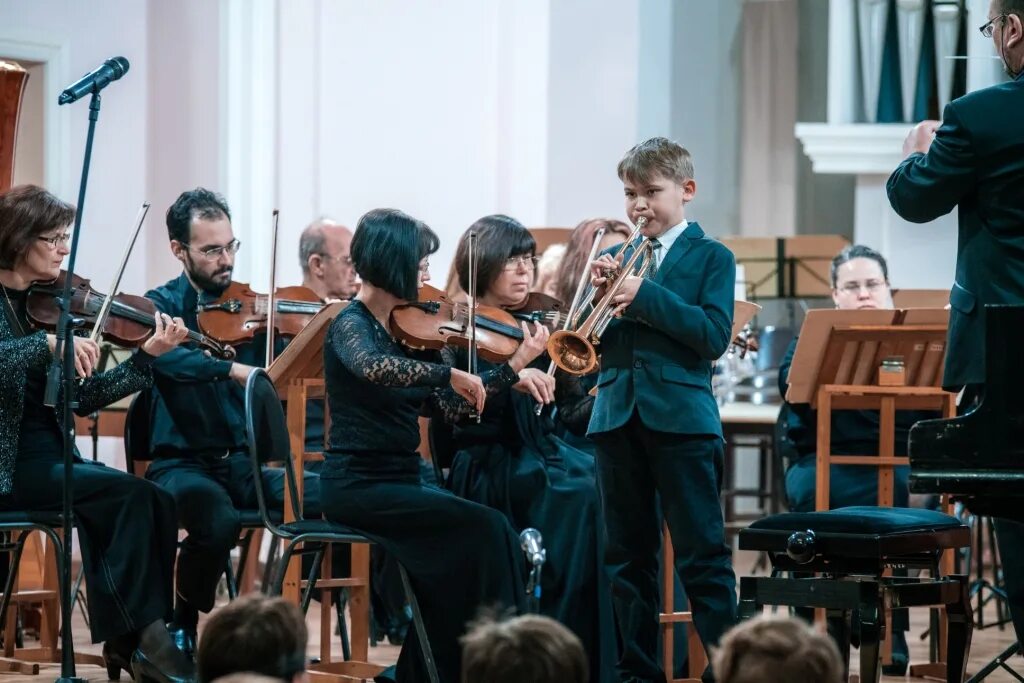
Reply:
x=655, y=258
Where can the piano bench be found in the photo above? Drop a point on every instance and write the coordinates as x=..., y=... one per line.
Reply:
x=852, y=547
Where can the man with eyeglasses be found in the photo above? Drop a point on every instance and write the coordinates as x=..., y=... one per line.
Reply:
x=860, y=280
x=198, y=436
x=974, y=160
x=326, y=264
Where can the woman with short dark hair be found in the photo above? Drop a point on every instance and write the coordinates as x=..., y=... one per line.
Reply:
x=459, y=555
x=127, y=526
x=511, y=460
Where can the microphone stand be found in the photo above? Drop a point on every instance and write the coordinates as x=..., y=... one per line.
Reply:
x=62, y=376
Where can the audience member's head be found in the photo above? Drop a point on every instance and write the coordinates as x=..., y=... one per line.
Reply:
x=777, y=650
x=247, y=677
x=530, y=648
x=254, y=635
x=860, y=279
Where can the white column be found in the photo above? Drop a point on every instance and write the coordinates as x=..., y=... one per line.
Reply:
x=249, y=133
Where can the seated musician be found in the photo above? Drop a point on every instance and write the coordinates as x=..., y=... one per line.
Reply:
x=860, y=280
x=459, y=555
x=511, y=461
x=324, y=254
x=198, y=438
x=326, y=264
x=126, y=525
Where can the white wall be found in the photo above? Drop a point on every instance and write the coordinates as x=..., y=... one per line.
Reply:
x=706, y=106
x=88, y=34
x=181, y=147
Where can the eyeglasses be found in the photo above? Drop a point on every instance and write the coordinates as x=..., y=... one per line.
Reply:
x=517, y=262
x=343, y=259
x=214, y=253
x=53, y=241
x=854, y=287
x=990, y=26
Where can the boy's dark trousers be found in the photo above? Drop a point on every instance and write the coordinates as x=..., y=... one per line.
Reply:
x=634, y=462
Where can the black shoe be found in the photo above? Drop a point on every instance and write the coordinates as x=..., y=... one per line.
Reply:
x=115, y=662
x=184, y=638
x=147, y=671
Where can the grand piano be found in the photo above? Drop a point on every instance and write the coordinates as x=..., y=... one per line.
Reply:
x=978, y=457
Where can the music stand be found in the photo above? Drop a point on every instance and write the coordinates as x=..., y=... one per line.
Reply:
x=836, y=366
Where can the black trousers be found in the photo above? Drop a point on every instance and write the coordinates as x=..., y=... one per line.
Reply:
x=461, y=556
x=634, y=463
x=208, y=493
x=127, y=530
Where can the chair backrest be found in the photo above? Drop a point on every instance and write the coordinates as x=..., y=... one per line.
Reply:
x=268, y=439
x=137, y=426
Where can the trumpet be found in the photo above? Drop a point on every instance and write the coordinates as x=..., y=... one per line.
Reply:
x=575, y=352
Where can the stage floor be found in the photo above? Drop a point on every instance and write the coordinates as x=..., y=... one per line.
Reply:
x=986, y=644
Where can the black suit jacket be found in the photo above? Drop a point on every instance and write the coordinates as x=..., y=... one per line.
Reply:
x=657, y=358
x=976, y=163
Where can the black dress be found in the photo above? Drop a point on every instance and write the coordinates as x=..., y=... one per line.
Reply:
x=127, y=525
x=460, y=555
x=512, y=461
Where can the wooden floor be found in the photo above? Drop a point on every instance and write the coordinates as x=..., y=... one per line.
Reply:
x=987, y=644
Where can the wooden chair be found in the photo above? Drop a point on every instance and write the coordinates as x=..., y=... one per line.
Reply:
x=668, y=618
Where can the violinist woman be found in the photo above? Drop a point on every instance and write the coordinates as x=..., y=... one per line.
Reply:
x=511, y=461
x=127, y=525
x=460, y=555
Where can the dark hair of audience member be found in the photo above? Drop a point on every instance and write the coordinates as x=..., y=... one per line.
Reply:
x=777, y=650
x=530, y=648
x=255, y=634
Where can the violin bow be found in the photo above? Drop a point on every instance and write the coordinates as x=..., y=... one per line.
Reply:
x=576, y=303
x=108, y=301
x=471, y=303
x=271, y=303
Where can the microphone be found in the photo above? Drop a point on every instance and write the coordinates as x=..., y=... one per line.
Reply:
x=532, y=544
x=111, y=70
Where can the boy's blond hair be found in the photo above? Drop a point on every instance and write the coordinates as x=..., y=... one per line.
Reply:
x=654, y=157
x=777, y=650
x=531, y=648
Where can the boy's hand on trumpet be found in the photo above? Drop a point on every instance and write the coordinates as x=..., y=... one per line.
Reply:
x=625, y=294
x=602, y=269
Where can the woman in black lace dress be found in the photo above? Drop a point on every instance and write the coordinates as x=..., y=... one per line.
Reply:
x=459, y=555
x=127, y=526
x=512, y=460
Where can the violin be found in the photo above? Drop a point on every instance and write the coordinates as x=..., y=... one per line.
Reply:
x=434, y=322
x=541, y=309
x=239, y=313
x=129, y=322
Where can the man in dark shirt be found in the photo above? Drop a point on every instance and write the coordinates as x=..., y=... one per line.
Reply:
x=198, y=437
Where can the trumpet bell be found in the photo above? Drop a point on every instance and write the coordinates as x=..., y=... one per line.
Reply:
x=572, y=352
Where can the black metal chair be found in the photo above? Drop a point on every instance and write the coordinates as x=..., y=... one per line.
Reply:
x=269, y=443
x=137, y=430
x=851, y=548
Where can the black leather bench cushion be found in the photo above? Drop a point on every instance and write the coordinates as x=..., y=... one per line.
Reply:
x=874, y=521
